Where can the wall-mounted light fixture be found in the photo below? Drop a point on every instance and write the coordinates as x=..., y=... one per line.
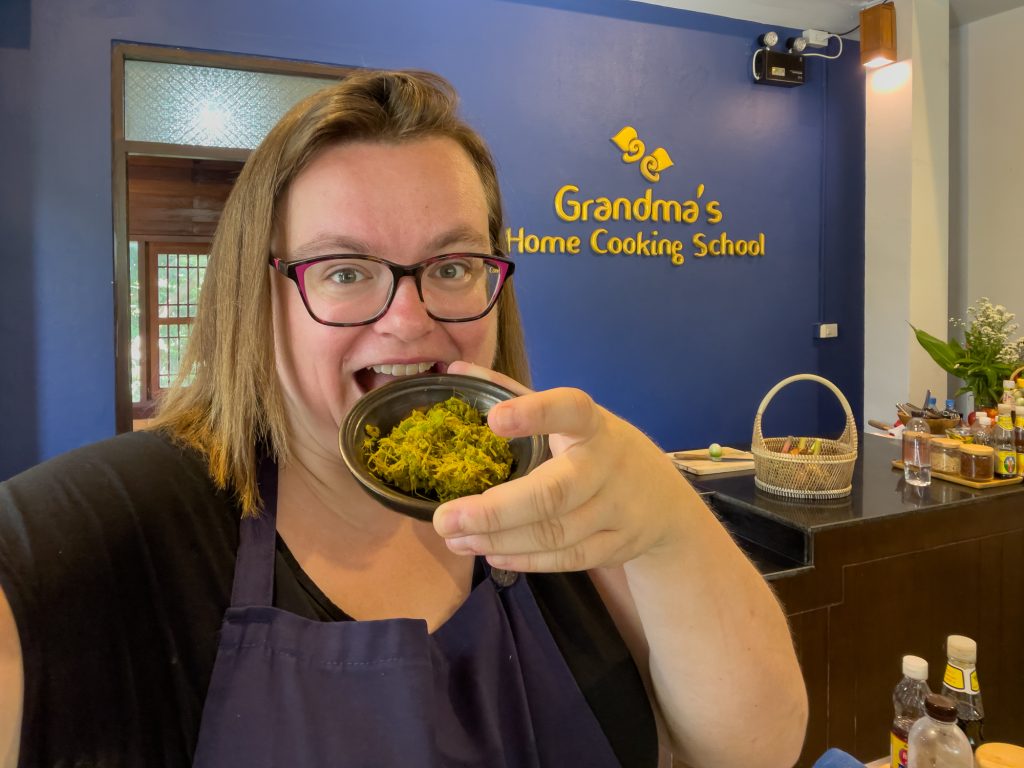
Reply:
x=770, y=67
x=878, y=35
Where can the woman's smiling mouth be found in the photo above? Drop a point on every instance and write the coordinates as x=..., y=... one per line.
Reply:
x=373, y=376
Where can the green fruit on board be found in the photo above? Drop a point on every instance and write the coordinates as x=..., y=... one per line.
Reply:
x=715, y=451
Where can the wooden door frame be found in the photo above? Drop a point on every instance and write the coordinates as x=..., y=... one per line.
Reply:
x=122, y=148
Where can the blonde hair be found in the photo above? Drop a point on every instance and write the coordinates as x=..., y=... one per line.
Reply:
x=233, y=405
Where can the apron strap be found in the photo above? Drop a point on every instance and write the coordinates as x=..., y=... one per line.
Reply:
x=257, y=538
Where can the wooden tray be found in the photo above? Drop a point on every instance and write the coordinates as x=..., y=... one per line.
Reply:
x=964, y=481
x=695, y=464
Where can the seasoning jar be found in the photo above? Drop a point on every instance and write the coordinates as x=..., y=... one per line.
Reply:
x=946, y=455
x=977, y=462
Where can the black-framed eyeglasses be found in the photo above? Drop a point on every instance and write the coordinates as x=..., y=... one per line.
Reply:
x=354, y=289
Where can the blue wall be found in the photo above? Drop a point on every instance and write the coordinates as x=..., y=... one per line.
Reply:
x=684, y=352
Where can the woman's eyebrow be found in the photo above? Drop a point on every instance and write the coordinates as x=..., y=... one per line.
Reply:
x=328, y=243
x=460, y=234
x=337, y=243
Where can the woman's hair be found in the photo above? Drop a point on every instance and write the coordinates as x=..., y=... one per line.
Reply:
x=232, y=403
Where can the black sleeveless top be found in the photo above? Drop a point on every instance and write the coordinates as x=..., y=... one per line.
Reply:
x=117, y=560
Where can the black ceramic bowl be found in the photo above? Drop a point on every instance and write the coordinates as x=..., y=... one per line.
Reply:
x=386, y=406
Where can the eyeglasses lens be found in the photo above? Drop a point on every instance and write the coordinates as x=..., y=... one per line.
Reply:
x=355, y=289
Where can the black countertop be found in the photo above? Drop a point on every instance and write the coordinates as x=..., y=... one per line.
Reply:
x=778, y=532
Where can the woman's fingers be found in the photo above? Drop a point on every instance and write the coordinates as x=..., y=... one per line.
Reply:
x=562, y=411
x=558, y=533
x=598, y=550
x=556, y=487
x=565, y=412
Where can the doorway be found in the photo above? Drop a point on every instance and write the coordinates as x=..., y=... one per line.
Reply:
x=174, y=205
x=184, y=123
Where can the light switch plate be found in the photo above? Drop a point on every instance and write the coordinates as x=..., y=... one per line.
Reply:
x=827, y=330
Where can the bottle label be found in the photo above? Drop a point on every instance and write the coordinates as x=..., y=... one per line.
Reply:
x=1006, y=463
x=963, y=679
x=897, y=751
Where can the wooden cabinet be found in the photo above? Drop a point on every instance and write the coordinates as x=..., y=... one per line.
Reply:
x=882, y=589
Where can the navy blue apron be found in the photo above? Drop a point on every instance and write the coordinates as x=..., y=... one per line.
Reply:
x=487, y=688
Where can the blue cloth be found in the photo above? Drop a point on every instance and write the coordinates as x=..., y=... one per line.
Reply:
x=836, y=758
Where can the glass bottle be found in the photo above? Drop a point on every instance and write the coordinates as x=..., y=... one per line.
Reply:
x=908, y=703
x=1018, y=438
x=935, y=741
x=1009, y=392
x=982, y=429
x=917, y=462
x=960, y=683
x=1003, y=442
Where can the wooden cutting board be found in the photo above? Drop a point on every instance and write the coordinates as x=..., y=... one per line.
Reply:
x=705, y=466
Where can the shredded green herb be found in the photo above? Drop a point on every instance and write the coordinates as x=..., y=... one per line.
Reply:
x=442, y=453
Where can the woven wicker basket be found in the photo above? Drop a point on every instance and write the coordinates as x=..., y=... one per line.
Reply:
x=827, y=475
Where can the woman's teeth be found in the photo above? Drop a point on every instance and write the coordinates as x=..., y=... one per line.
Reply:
x=402, y=369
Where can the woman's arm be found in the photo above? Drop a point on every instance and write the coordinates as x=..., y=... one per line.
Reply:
x=698, y=616
x=725, y=696
x=12, y=684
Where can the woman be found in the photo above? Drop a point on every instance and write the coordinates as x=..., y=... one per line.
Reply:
x=218, y=591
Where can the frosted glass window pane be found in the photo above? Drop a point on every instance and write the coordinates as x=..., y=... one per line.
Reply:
x=207, y=106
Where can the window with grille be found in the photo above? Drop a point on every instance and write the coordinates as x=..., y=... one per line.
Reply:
x=176, y=273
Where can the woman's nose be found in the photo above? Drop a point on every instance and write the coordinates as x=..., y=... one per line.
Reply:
x=407, y=316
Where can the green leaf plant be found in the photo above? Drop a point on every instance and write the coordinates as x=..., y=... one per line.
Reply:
x=986, y=358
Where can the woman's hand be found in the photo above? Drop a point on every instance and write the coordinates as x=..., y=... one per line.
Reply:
x=607, y=495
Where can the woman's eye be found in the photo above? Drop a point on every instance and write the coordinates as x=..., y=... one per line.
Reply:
x=345, y=275
x=451, y=270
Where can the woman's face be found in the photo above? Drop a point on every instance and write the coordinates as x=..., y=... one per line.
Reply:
x=403, y=202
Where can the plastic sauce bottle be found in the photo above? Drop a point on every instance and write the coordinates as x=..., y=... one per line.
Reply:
x=908, y=702
x=935, y=741
x=917, y=460
x=1003, y=442
x=960, y=683
x=1018, y=438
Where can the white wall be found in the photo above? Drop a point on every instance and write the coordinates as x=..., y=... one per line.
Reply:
x=987, y=164
x=906, y=211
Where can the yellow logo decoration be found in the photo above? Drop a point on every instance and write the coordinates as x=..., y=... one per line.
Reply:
x=633, y=150
x=572, y=205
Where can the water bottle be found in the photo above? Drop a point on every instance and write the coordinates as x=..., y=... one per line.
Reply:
x=908, y=702
x=917, y=460
x=951, y=412
x=935, y=741
x=960, y=683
